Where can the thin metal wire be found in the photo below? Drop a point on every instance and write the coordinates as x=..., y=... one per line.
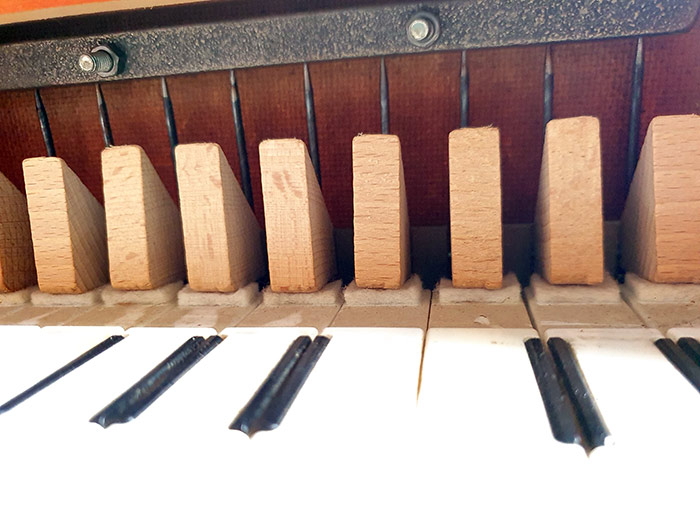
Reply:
x=104, y=118
x=44, y=123
x=240, y=140
x=169, y=117
x=464, y=92
x=384, y=97
x=635, y=111
x=311, y=122
x=548, y=87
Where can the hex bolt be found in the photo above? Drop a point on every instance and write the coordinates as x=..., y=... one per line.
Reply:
x=101, y=60
x=423, y=29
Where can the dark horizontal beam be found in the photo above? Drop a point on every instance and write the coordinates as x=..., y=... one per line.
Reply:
x=336, y=34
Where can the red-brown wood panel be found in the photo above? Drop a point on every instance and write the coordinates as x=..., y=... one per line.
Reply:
x=137, y=117
x=671, y=76
x=77, y=136
x=594, y=78
x=506, y=91
x=423, y=109
x=20, y=134
x=346, y=99
x=272, y=105
x=203, y=113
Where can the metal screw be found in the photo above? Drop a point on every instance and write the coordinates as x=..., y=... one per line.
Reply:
x=101, y=60
x=423, y=29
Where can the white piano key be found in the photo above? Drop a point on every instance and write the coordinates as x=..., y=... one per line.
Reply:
x=483, y=421
x=684, y=331
x=653, y=414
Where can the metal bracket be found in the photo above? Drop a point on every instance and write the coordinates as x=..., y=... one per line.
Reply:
x=336, y=34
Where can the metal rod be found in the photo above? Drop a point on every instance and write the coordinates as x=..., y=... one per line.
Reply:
x=104, y=118
x=464, y=92
x=169, y=117
x=548, y=87
x=44, y=123
x=635, y=111
x=311, y=122
x=384, y=97
x=240, y=141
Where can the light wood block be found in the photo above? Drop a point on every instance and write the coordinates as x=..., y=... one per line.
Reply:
x=68, y=228
x=17, y=269
x=661, y=221
x=223, y=247
x=475, y=208
x=380, y=213
x=569, y=217
x=300, y=249
x=144, y=229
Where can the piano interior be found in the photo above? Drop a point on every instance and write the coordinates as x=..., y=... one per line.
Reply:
x=341, y=261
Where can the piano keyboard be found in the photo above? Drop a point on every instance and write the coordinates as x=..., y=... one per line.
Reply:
x=446, y=425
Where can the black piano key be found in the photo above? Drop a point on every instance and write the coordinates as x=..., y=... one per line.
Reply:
x=589, y=419
x=691, y=347
x=292, y=386
x=144, y=392
x=548, y=87
x=61, y=372
x=681, y=359
x=561, y=415
x=250, y=419
x=464, y=92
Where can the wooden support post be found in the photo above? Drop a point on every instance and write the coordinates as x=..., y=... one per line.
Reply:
x=475, y=208
x=144, y=231
x=223, y=246
x=661, y=221
x=17, y=268
x=569, y=217
x=68, y=228
x=300, y=248
x=380, y=213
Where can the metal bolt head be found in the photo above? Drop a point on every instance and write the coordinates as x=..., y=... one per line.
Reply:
x=87, y=63
x=423, y=29
x=102, y=60
x=419, y=29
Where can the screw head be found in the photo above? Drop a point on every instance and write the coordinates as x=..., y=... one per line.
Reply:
x=423, y=29
x=87, y=63
x=419, y=29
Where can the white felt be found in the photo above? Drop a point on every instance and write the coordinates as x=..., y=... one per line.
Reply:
x=329, y=295
x=90, y=298
x=16, y=298
x=247, y=296
x=410, y=294
x=163, y=295
x=545, y=293
x=644, y=291
x=509, y=293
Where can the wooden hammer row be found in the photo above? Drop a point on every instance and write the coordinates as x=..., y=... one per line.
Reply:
x=61, y=229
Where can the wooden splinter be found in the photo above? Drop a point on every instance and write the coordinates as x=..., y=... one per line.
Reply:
x=569, y=216
x=380, y=213
x=17, y=268
x=300, y=249
x=144, y=231
x=223, y=246
x=661, y=220
x=475, y=208
x=68, y=228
